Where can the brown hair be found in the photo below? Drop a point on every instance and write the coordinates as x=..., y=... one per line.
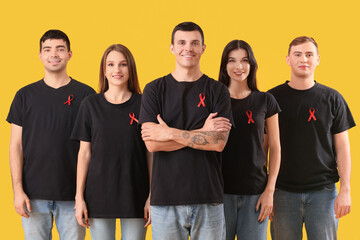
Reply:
x=233, y=45
x=133, y=82
x=301, y=40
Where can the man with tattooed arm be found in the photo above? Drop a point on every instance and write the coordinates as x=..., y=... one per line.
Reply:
x=186, y=118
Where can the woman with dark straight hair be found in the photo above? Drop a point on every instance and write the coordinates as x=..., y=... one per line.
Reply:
x=113, y=163
x=248, y=188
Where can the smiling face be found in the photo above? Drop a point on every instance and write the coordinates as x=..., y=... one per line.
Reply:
x=238, y=66
x=54, y=55
x=116, y=69
x=187, y=48
x=303, y=59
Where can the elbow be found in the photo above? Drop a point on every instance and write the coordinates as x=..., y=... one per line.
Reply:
x=220, y=147
x=151, y=146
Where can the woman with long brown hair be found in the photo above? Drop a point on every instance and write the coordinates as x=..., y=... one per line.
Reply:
x=113, y=163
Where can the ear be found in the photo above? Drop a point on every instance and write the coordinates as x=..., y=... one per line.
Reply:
x=318, y=60
x=70, y=54
x=203, y=49
x=288, y=60
x=172, y=48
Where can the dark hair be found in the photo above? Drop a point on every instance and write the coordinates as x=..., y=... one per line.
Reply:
x=133, y=82
x=301, y=40
x=187, y=27
x=233, y=45
x=55, y=34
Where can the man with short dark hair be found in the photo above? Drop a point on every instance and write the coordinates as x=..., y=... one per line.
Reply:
x=179, y=124
x=315, y=151
x=43, y=159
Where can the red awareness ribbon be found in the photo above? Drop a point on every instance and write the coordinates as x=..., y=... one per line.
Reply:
x=312, y=112
x=70, y=98
x=249, y=114
x=132, y=116
x=202, y=98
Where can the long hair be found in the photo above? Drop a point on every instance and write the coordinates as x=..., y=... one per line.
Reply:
x=133, y=82
x=233, y=45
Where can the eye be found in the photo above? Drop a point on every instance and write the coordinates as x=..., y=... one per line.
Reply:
x=297, y=54
x=124, y=64
x=181, y=43
x=246, y=60
x=231, y=60
x=61, y=49
x=110, y=64
x=195, y=43
x=309, y=55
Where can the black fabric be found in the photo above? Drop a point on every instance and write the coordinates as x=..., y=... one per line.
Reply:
x=117, y=183
x=243, y=168
x=308, y=158
x=185, y=176
x=50, y=157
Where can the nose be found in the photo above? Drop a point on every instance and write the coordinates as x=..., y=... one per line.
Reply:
x=304, y=58
x=239, y=65
x=54, y=53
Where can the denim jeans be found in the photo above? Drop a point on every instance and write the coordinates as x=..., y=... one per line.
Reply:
x=104, y=228
x=40, y=222
x=241, y=218
x=314, y=209
x=199, y=221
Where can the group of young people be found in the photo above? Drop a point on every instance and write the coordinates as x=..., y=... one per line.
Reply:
x=191, y=156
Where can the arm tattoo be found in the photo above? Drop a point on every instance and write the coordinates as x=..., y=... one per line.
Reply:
x=186, y=135
x=190, y=144
x=216, y=136
x=199, y=140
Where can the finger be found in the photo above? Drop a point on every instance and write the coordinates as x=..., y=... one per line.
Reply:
x=148, y=219
x=160, y=119
x=271, y=215
x=80, y=221
x=21, y=211
x=86, y=218
x=212, y=115
x=28, y=205
x=258, y=204
x=261, y=215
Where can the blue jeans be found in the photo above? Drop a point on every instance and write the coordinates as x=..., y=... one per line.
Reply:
x=40, y=222
x=199, y=221
x=314, y=209
x=104, y=228
x=241, y=218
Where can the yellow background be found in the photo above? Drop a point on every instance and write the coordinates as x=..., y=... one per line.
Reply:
x=145, y=27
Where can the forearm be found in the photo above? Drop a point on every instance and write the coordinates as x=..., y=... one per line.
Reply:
x=167, y=146
x=342, y=148
x=16, y=167
x=274, y=166
x=82, y=170
x=201, y=140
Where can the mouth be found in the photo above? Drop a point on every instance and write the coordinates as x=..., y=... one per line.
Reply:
x=238, y=73
x=117, y=76
x=188, y=55
x=54, y=61
x=304, y=67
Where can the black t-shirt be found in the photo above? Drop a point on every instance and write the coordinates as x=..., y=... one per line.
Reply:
x=243, y=168
x=117, y=183
x=47, y=116
x=185, y=176
x=308, y=121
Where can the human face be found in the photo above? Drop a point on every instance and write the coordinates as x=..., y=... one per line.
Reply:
x=187, y=48
x=54, y=55
x=238, y=66
x=303, y=60
x=116, y=69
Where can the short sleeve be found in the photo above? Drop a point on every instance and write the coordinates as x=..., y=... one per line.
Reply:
x=149, y=104
x=82, y=127
x=16, y=112
x=343, y=119
x=272, y=107
x=223, y=104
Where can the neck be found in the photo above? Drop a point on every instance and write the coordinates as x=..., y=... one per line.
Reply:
x=239, y=90
x=56, y=79
x=117, y=94
x=182, y=74
x=301, y=83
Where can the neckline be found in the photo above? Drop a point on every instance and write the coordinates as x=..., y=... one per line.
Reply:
x=117, y=104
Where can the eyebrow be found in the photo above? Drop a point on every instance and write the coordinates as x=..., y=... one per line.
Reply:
x=58, y=46
x=305, y=52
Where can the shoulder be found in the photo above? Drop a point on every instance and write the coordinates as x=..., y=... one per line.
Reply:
x=29, y=88
x=82, y=86
x=278, y=89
